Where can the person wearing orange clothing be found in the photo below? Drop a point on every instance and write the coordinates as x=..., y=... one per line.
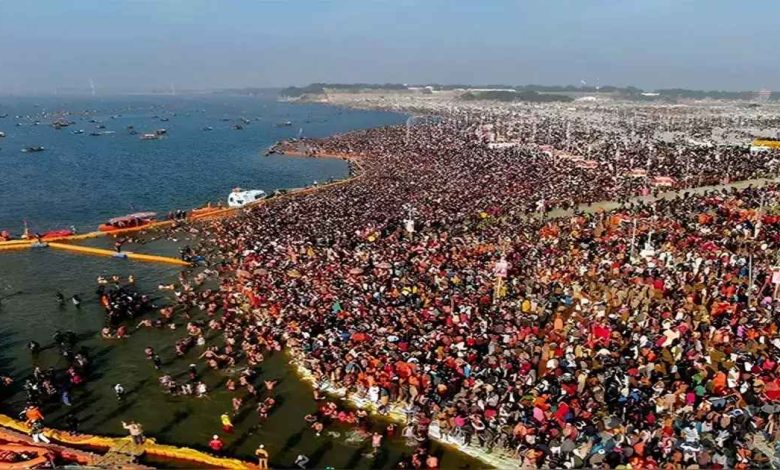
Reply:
x=33, y=414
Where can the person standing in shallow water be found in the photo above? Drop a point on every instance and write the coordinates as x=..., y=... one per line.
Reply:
x=262, y=457
x=216, y=444
x=376, y=442
x=120, y=391
x=136, y=431
x=227, y=425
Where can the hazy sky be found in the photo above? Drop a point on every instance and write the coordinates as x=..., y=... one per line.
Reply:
x=140, y=44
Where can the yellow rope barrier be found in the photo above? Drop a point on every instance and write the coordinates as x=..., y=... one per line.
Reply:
x=129, y=255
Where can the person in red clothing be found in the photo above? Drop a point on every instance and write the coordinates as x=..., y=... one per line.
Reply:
x=216, y=444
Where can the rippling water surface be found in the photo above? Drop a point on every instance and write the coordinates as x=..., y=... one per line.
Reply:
x=82, y=179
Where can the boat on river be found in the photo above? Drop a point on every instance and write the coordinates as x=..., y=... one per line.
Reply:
x=240, y=198
x=61, y=123
x=156, y=135
x=33, y=149
x=134, y=221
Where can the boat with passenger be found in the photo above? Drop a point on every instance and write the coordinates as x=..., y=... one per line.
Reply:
x=240, y=198
x=37, y=148
x=134, y=221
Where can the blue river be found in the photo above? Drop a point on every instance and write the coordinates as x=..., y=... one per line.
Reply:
x=84, y=179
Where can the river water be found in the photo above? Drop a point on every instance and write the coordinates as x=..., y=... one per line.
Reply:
x=81, y=180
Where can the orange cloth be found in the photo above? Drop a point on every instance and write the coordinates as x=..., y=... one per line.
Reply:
x=719, y=383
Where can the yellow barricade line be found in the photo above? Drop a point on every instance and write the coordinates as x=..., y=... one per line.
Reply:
x=133, y=256
x=16, y=246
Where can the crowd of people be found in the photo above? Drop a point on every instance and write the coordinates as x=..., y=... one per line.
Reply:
x=434, y=285
x=54, y=386
x=482, y=294
x=121, y=302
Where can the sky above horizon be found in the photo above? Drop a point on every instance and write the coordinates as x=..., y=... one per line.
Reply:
x=140, y=45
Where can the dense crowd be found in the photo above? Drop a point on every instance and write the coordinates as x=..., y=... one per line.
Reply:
x=438, y=284
x=121, y=303
x=645, y=335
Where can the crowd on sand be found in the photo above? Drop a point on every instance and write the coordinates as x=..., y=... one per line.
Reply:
x=438, y=285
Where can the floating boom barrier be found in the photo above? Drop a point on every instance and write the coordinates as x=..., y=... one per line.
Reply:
x=25, y=244
x=15, y=245
x=127, y=255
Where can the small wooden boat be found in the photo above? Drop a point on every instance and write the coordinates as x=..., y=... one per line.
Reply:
x=135, y=221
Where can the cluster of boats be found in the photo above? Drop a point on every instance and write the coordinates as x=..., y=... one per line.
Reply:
x=139, y=220
x=100, y=129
